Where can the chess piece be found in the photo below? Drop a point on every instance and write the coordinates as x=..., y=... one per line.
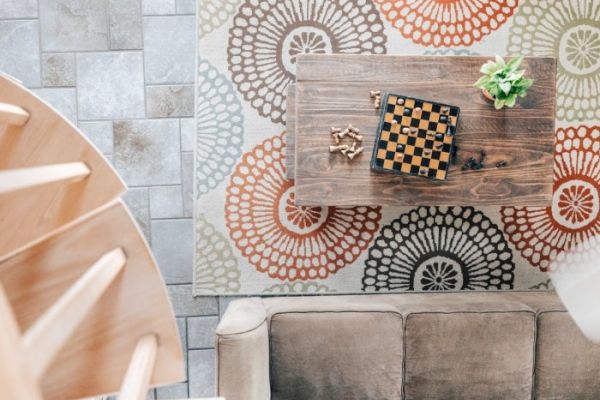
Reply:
x=439, y=136
x=443, y=118
x=501, y=164
x=400, y=101
x=353, y=129
x=417, y=110
x=374, y=93
x=427, y=153
x=398, y=157
x=336, y=137
x=399, y=147
x=423, y=171
x=333, y=149
x=413, y=129
x=405, y=130
x=343, y=133
x=445, y=110
x=406, y=111
x=355, y=153
x=334, y=130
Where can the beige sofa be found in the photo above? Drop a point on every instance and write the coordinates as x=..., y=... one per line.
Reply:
x=502, y=345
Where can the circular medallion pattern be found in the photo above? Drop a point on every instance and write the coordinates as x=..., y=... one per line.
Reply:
x=268, y=35
x=570, y=31
x=541, y=233
x=439, y=248
x=298, y=287
x=219, y=128
x=214, y=13
x=217, y=268
x=446, y=23
x=287, y=241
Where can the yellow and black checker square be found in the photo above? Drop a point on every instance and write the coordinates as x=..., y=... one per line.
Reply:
x=416, y=151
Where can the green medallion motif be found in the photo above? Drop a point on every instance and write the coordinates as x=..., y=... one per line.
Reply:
x=217, y=269
x=570, y=31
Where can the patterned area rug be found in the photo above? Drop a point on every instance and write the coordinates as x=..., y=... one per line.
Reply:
x=250, y=236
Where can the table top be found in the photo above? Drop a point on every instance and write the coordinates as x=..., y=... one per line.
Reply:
x=333, y=90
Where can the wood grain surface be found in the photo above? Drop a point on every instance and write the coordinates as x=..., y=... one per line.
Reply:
x=290, y=132
x=333, y=90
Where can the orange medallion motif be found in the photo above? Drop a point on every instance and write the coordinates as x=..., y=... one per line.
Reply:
x=539, y=233
x=284, y=240
x=447, y=23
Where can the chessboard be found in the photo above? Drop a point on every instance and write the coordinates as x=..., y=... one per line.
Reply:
x=415, y=137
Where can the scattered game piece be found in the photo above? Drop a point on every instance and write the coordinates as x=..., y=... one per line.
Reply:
x=374, y=93
x=501, y=164
x=336, y=137
x=343, y=133
x=357, y=152
x=474, y=164
x=352, y=148
x=469, y=164
x=333, y=149
x=352, y=129
x=334, y=130
x=410, y=148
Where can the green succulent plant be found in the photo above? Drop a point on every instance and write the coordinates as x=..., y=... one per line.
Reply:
x=504, y=81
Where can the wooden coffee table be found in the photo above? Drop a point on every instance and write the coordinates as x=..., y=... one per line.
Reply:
x=333, y=90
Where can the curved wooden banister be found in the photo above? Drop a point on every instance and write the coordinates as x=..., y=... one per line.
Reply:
x=83, y=306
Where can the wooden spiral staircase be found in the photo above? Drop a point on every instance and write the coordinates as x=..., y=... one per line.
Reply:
x=83, y=307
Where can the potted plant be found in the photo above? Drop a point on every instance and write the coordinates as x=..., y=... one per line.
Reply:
x=502, y=81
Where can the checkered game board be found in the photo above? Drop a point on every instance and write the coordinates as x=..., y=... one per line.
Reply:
x=415, y=137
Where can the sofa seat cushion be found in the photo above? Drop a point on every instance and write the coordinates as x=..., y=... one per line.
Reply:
x=469, y=355
x=567, y=364
x=336, y=355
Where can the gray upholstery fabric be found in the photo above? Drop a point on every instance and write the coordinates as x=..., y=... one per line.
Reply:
x=469, y=355
x=568, y=365
x=336, y=355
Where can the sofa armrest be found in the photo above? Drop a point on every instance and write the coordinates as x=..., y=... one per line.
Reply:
x=242, y=345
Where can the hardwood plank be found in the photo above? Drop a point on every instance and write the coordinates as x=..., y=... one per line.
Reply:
x=49, y=334
x=47, y=139
x=290, y=130
x=333, y=91
x=135, y=304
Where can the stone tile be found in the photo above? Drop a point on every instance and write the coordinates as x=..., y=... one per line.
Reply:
x=147, y=151
x=158, y=7
x=188, y=134
x=125, y=24
x=185, y=6
x=176, y=391
x=187, y=178
x=165, y=202
x=202, y=373
x=201, y=332
x=18, y=9
x=100, y=133
x=62, y=100
x=58, y=69
x=20, y=51
x=224, y=303
x=137, y=201
x=185, y=304
x=170, y=101
x=172, y=244
x=110, y=85
x=169, y=51
x=71, y=25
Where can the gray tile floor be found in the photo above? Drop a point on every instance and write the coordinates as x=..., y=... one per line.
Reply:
x=123, y=71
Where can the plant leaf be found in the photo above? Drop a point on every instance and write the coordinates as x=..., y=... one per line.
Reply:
x=505, y=87
x=511, y=100
x=499, y=61
x=499, y=103
x=515, y=62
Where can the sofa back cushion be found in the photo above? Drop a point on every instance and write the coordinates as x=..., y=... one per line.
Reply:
x=466, y=355
x=568, y=364
x=336, y=355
